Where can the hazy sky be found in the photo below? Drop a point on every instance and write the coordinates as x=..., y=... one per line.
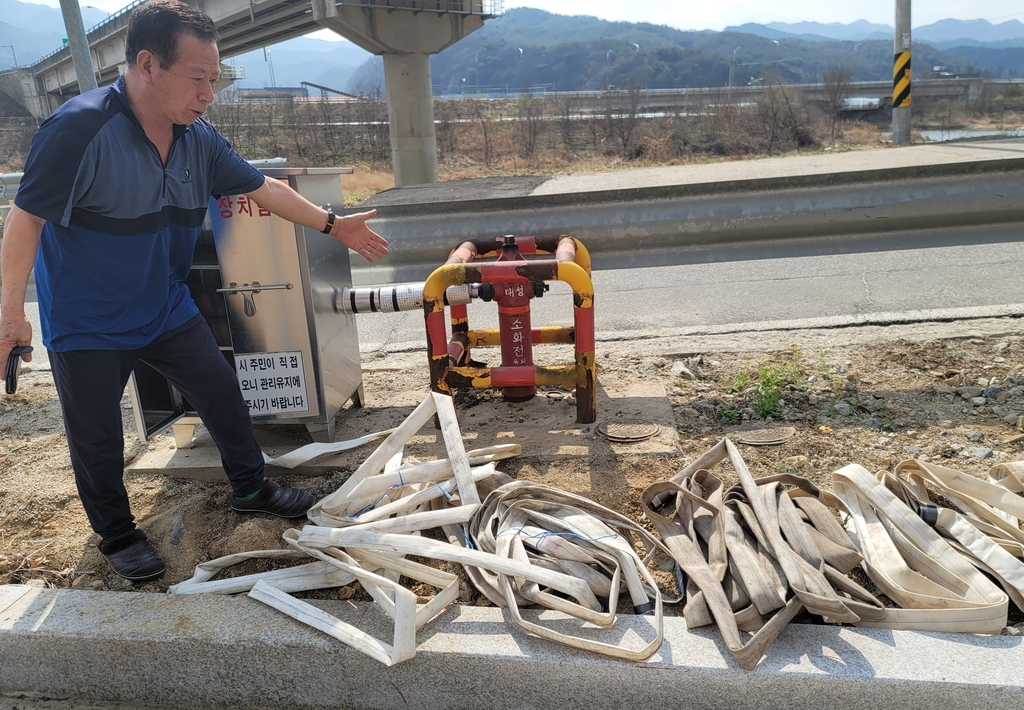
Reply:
x=716, y=15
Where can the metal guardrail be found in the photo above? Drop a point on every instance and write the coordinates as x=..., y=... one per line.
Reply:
x=110, y=18
x=726, y=221
x=9, y=183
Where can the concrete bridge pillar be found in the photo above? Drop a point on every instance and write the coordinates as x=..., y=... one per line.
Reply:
x=975, y=89
x=411, y=114
x=406, y=33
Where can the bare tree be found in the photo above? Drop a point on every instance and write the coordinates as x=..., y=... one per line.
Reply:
x=316, y=131
x=529, y=118
x=449, y=115
x=836, y=84
x=479, y=109
x=374, y=126
x=272, y=127
x=329, y=127
x=770, y=108
x=622, y=115
x=568, y=116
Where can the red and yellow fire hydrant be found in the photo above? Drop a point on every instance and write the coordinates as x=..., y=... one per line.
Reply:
x=512, y=282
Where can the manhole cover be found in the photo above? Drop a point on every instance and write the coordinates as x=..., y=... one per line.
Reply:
x=628, y=431
x=764, y=437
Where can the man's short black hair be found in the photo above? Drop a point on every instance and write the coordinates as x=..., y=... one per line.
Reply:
x=156, y=25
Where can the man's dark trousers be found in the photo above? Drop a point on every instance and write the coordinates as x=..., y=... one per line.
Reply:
x=90, y=384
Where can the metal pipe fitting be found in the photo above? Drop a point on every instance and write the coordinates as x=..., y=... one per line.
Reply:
x=396, y=297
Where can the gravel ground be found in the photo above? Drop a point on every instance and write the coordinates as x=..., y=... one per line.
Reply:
x=956, y=401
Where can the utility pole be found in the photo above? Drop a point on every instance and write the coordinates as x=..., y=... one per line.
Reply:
x=79, y=44
x=901, y=75
x=10, y=48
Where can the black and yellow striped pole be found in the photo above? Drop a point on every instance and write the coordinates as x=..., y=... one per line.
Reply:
x=901, y=75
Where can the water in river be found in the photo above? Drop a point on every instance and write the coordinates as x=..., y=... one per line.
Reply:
x=959, y=134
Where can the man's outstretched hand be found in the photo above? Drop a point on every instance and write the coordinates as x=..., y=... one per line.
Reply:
x=351, y=230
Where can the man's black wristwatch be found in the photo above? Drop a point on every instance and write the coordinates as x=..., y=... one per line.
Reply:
x=330, y=222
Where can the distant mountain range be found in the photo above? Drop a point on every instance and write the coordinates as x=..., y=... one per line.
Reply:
x=302, y=59
x=528, y=47
x=816, y=31
x=35, y=30
x=43, y=18
x=943, y=34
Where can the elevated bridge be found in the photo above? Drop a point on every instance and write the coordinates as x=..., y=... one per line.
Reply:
x=405, y=32
x=243, y=26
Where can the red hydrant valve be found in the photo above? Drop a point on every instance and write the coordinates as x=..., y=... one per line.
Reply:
x=513, y=300
x=512, y=281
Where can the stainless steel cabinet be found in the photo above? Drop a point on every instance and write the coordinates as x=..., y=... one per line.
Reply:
x=254, y=277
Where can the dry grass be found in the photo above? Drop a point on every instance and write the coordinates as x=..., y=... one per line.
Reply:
x=858, y=133
x=366, y=182
x=14, y=144
x=20, y=569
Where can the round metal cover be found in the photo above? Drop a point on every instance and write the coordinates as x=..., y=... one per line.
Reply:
x=765, y=437
x=628, y=431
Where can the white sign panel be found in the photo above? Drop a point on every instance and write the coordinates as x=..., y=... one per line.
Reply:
x=272, y=383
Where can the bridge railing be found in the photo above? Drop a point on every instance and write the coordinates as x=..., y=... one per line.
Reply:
x=91, y=33
x=491, y=8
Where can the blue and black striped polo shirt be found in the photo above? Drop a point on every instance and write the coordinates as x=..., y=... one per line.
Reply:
x=120, y=226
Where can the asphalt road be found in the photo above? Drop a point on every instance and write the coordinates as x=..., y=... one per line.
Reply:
x=897, y=285
x=663, y=306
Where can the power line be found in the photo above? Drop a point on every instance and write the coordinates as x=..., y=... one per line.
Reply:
x=1006, y=17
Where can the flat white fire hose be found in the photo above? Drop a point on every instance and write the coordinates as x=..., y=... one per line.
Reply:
x=524, y=544
x=930, y=558
x=307, y=453
x=937, y=586
x=757, y=554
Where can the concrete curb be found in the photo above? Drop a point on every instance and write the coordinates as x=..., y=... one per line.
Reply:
x=233, y=652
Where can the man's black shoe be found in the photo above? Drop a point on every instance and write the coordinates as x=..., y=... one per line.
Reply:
x=132, y=557
x=276, y=500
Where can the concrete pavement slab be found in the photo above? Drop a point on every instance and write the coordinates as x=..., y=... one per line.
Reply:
x=788, y=166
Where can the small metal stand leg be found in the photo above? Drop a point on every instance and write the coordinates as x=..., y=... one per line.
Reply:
x=359, y=397
x=321, y=433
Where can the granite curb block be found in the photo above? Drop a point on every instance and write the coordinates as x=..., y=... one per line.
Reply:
x=216, y=652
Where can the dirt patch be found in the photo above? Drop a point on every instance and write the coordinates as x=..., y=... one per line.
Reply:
x=955, y=401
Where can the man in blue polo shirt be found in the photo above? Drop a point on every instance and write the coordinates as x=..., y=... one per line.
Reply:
x=114, y=194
